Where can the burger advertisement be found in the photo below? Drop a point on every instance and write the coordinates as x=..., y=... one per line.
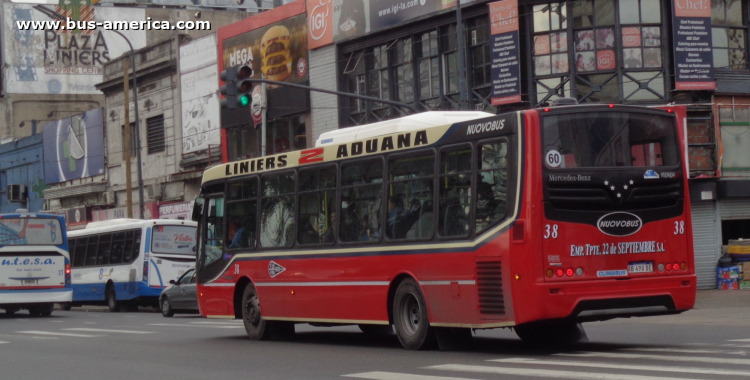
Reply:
x=278, y=51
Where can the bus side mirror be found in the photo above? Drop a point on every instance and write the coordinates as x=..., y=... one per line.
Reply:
x=197, y=210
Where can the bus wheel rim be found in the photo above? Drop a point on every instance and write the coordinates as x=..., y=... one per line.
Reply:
x=253, y=310
x=410, y=314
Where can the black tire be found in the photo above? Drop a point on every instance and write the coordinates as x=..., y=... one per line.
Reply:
x=410, y=317
x=376, y=330
x=111, y=297
x=551, y=333
x=46, y=310
x=10, y=312
x=166, y=307
x=255, y=325
x=34, y=311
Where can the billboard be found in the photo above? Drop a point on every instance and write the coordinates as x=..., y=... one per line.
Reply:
x=62, y=61
x=73, y=147
x=338, y=20
x=278, y=50
x=200, y=95
x=693, y=45
x=504, y=52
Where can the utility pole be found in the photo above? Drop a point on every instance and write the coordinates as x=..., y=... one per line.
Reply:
x=126, y=143
x=463, y=92
x=263, y=115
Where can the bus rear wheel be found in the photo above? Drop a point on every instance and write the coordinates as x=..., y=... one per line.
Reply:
x=112, y=303
x=10, y=311
x=410, y=317
x=255, y=325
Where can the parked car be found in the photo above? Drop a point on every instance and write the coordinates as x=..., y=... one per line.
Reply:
x=180, y=296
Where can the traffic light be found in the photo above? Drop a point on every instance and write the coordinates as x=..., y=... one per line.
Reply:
x=228, y=89
x=244, y=85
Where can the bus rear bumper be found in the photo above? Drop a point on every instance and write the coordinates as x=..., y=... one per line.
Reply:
x=36, y=296
x=587, y=301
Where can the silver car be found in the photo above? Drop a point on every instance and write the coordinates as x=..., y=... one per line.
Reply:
x=180, y=296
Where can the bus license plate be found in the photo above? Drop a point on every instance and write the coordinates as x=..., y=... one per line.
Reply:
x=643, y=267
x=29, y=282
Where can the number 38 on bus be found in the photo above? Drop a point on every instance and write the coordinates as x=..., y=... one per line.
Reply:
x=442, y=222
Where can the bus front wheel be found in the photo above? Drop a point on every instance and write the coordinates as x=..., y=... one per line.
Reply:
x=255, y=325
x=112, y=303
x=410, y=317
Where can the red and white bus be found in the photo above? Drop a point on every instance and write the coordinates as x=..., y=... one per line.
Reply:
x=442, y=222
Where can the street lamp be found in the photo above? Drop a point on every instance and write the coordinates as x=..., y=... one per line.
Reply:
x=54, y=15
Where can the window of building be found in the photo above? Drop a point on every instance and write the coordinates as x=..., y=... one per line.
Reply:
x=285, y=134
x=360, y=210
x=729, y=34
x=277, y=213
x=155, y=134
x=481, y=64
x=354, y=77
x=317, y=206
x=133, y=141
x=410, y=196
x=640, y=27
x=734, y=121
x=551, y=56
x=428, y=67
x=242, y=205
x=594, y=44
x=243, y=142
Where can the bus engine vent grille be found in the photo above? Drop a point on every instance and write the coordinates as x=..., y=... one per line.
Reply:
x=490, y=288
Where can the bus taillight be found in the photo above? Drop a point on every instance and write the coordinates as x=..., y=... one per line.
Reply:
x=683, y=266
x=676, y=267
x=67, y=274
x=569, y=272
x=145, y=270
x=560, y=272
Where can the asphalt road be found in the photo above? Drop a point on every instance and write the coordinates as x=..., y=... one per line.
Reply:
x=92, y=343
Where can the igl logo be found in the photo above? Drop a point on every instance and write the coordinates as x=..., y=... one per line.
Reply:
x=318, y=22
x=629, y=40
x=605, y=60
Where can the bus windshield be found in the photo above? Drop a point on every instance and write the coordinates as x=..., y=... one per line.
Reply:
x=609, y=139
x=173, y=240
x=30, y=231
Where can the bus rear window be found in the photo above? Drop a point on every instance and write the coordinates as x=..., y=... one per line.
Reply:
x=609, y=139
x=30, y=231
x=174, y=239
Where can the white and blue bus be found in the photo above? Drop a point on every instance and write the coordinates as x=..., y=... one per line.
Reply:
x=34, y=263
x=128, y=262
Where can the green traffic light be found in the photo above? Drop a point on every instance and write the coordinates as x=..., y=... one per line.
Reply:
x=244, y=100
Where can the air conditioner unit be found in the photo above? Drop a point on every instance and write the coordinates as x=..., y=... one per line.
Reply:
x=153, y=191
x=110, y=198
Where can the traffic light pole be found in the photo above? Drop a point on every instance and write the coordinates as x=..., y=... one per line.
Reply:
x=339, y=93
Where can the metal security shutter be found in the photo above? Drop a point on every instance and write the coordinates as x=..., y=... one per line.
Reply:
x=706, y=243
x=734, y=209
x=155, y=134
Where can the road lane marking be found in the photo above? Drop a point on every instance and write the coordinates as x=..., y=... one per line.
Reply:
x=697, y=359
x=708, y=371
x=685, y=351
x=219, y=323
x=1, y=342
x=186, y=325
x=90, y=323
x=553, y=374
x=56, y=321
x=109, y=331
x=399, y=376
x=58, y=334
x=738, y=340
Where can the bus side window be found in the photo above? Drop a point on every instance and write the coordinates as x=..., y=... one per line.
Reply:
x=118, y=241
x=71, y=250
x=317, y=206
x=410, y=197
x=242, y=204
x=492, y=190
x=91, y=251
x=136, y=250
x=80, y=256
x=360, y=217
x=277, y=211
x=454, y=192
x=214, y=230
x=127, y=256
x=102, y=257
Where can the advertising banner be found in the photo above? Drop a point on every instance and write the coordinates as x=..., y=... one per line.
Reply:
x=200, y=95
x=693, y=56
x=48, y=61
x=150, y=211
x=504, y=52
x=181, y=210
x=73, y=147
x=174, y=239
x=76, y=219
x=278, y=50
x=319, y=23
